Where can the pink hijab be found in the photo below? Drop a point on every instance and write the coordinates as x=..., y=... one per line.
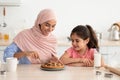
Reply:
x=33, y=40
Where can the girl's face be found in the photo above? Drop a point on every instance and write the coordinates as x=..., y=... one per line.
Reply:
x=78, y=43
x=48, y=27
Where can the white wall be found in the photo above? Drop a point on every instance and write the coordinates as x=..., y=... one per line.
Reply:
x=98, y=13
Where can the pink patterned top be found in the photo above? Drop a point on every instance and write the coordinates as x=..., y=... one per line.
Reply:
x=74, y=54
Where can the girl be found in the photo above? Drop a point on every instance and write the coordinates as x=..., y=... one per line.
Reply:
x=84, y=44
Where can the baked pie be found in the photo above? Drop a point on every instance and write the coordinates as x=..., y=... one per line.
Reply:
x=53, y=65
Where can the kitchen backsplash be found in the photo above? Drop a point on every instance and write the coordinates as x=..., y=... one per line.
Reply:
x=19, y=17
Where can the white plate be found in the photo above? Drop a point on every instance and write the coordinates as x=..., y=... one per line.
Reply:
x=54, y=69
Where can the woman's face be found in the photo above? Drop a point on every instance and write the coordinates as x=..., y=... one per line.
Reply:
x=78, y=43
x=48, y=27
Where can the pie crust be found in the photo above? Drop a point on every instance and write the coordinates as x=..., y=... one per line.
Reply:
x=52, y=65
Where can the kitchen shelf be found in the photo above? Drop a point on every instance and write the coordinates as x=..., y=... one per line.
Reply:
x=103, y=43
x=10, y=3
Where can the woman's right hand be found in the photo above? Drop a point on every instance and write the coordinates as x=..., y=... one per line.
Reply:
x=32, y=54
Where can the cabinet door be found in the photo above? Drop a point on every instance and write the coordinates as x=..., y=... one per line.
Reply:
x=10, y=2
x=2, y=48
x=111, y=55
x=1, y=56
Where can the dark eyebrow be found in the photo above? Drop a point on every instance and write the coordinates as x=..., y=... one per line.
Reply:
x=47, y=23
x=50, y=24
x=54, y=25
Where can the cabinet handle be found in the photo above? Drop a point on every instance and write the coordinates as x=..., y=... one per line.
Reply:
x=4, y=11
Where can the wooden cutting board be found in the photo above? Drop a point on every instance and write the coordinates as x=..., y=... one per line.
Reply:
x=114, y=70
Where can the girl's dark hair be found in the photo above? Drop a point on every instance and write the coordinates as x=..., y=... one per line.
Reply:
x=86, y=32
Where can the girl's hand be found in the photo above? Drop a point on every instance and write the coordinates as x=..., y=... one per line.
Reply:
x=88, y=62
x=76, y=64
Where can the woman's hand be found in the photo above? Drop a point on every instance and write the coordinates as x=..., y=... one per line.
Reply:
x=32, y=54
x=54, y=58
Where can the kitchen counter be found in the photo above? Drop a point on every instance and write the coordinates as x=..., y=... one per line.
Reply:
x=4, y=43
x=102, y=43
x=109, y=43
x=68, y=43
x=33, y=72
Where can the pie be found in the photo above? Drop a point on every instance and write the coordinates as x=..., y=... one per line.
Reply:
x=53, y=65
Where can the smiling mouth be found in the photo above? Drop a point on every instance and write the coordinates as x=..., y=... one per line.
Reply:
x=75, y=47
x=46, y=33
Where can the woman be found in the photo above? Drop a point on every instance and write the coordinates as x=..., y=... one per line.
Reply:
x=37, y=44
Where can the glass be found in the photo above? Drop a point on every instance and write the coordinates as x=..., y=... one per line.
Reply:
x=6, y=37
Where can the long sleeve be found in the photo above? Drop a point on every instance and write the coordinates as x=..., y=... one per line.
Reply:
x=13, y=49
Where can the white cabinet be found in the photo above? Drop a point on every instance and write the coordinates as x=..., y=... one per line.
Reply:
x=111, y=54
x=1, y=56
x=10, y=2
x=1, y=52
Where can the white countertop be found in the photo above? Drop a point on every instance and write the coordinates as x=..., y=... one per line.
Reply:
x=68, y=43
x=109, y=43
x=102, y=43
x=4, y=43
x=33, y=72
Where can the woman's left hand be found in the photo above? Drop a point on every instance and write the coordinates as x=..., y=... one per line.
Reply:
x=54, y=59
